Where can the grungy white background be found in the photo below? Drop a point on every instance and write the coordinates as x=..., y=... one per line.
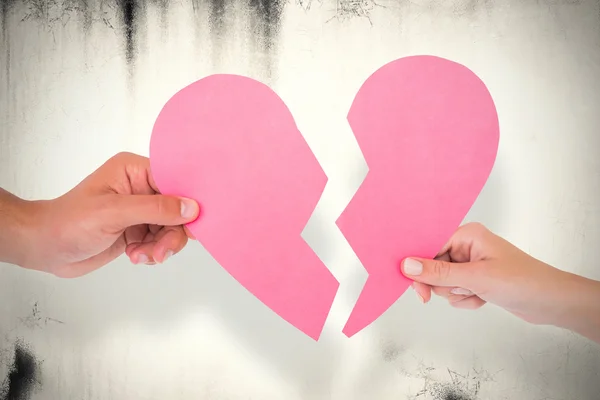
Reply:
x=73, y=92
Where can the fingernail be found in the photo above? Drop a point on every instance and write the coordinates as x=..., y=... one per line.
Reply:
x=142, y=259
x=168, y=254
x=189, y=208
x=461, y=291
x=420, y=297
x=412, y=267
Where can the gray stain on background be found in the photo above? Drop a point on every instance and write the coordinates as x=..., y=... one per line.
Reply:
x=23, y=375
x=87, y=16
x=265, y=17
x=268, y=25
x=216, y=19
x=449, y=392
x=163, y=6
x=129, y=10
x=460, y=386
x=5, y=9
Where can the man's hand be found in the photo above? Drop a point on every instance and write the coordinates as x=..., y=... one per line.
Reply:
x=116, y=209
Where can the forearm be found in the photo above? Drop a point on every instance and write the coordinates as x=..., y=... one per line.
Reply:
x=15, y=221
x=584, y=311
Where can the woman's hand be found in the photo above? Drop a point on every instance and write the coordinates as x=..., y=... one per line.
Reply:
x=476, y=267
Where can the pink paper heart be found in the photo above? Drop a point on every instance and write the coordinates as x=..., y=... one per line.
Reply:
x=429, y=132
x=230, y=143
x=428, y=129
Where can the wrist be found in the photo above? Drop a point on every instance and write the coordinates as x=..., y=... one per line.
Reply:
x=582, y=309
x=18, y=221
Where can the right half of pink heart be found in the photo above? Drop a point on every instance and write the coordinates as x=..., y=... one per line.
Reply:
x=429, y=132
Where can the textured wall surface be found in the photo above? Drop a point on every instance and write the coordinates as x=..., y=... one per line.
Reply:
x=81, y=80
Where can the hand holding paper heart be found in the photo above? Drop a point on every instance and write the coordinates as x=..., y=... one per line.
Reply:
x=428, y=130
x=116, y=209
x=476, y=266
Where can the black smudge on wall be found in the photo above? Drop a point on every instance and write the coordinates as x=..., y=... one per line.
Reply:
x=269, y=13
x=263, y=16
x=454, y=391
x=163, y=7
x=216, y=21
x=88, y=16
x=129, y=10
x=23, y=375
x=5, y=9
x=390, y=352
x=453, y=394
x=266, y=17
x=217, y=16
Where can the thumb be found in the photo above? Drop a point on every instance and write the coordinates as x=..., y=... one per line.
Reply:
x=439, y=273
x=130, y=210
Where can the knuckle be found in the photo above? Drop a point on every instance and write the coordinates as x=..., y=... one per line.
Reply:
x=118, y=158
x=161, y=205
x=441, y=269
x=476, y=228
x=166, y=205
x=123, y=155
x=122, y=158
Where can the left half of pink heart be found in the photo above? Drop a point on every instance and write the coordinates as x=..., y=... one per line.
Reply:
x=230, y=143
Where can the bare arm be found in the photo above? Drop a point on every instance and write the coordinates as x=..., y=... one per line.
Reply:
x=478, y=267
x=16, y=221
x=582, y=312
